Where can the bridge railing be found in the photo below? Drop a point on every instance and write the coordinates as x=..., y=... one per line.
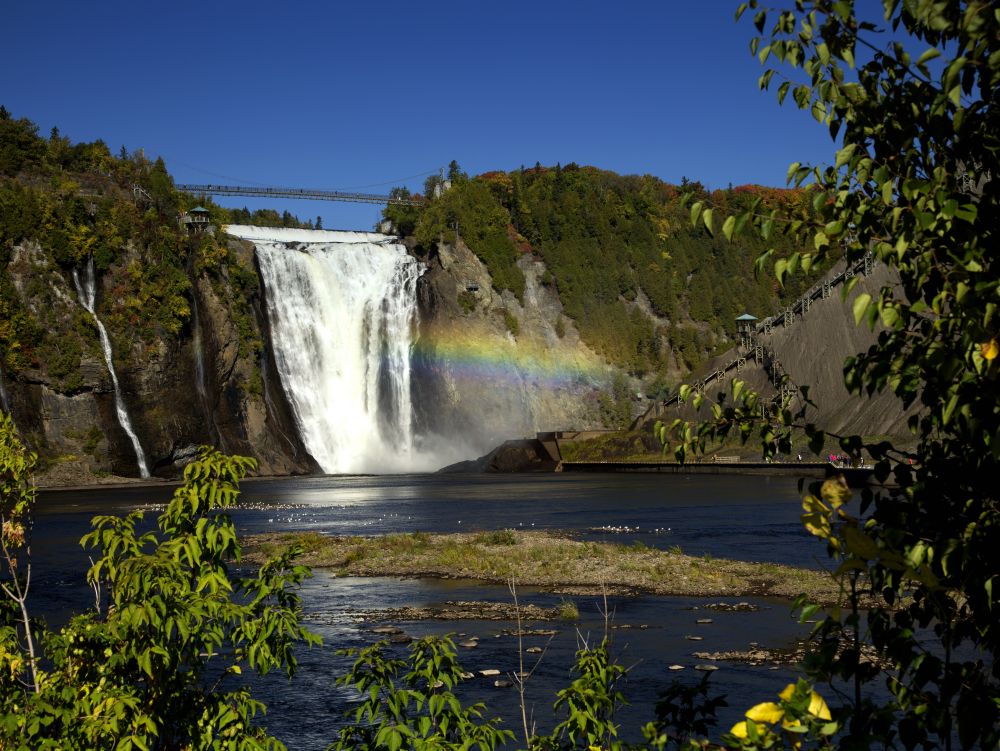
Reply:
x=309, y=194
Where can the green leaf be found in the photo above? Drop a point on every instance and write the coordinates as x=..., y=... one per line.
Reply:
x=727, y=227
x=844, y=155
x=928, y=55
x=860, y=305
x=780, y=269
x=861, y=544
x=890, y=316
x=736, y=388
x=696, y=212
x=949, y=409
x=706, y=217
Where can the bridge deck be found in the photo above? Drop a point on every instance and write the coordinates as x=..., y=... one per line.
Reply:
x=309, y=194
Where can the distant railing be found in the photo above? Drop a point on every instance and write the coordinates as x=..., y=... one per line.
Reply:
x=765, y=356
x=299, y=193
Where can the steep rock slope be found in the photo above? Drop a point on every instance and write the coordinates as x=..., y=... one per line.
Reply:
x=181, y=392
x=487, y=366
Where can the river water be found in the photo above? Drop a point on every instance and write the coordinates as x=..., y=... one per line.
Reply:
x=749, y=518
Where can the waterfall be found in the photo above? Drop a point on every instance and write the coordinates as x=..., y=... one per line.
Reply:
x=4, y=400
x=342, y=311
x=199, y=356
x=201, y=383
x=86, y=291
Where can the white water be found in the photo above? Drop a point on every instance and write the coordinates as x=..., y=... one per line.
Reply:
x=86, y=291
x=199, y=356
x=4, y=401
x=342, y=310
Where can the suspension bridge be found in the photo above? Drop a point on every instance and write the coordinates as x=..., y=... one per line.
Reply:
x=308, y=194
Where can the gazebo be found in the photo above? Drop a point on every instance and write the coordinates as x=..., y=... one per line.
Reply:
x=744, y=328
x=197, y=220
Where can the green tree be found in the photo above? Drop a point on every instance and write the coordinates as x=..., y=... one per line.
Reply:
x=410, y=703
x=21, y=148
x=161, y=187
x=403, y=216
x=590, y=703
x=911, y=100
x=456, y=173
x=158, y=663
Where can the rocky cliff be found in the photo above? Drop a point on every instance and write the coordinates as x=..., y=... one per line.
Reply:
x=201, y=387
x=488, y=366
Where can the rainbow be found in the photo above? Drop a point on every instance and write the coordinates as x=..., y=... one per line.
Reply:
x=471, y=351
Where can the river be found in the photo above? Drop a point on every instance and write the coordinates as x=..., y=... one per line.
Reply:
x=745, y=517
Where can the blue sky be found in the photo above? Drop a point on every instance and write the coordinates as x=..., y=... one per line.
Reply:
x=364, y=95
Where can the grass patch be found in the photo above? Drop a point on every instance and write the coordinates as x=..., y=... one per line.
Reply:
x=497, y=537
x=568, y=611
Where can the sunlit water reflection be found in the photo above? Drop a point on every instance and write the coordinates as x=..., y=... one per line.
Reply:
x=749, y=518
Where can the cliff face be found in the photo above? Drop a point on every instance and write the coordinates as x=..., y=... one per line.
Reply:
x=239, y=391
x=488, y=366
x=200, y=387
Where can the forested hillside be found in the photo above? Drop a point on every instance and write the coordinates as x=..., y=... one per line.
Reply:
x=78, y=201
x=644, y=289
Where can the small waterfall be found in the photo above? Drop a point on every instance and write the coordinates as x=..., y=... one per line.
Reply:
x=199, y=356
x=4, y=400
x=86, y=291
x=201, y=384
x=342, y=309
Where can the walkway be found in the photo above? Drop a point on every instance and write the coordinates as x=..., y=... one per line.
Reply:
x=761, y=353
x=308, y=194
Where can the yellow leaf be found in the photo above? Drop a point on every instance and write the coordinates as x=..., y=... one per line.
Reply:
x=817, y=706
x=787, y=692
x=813, y=505
x=835, y=491
x=767, y=711
x=817, y=524
x=990, y=349
x=739, y=730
